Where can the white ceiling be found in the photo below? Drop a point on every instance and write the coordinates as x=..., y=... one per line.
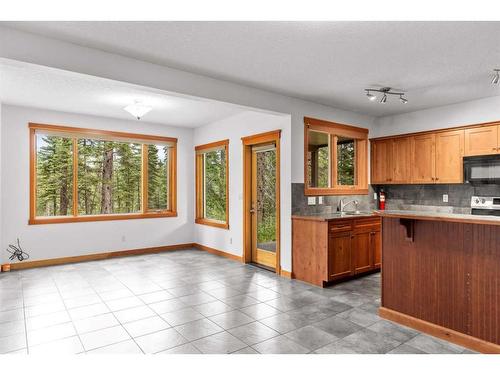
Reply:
x=42, y=87
x=437, y=63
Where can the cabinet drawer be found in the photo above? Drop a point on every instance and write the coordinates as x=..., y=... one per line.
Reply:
x=368, y=223
x=340, y=226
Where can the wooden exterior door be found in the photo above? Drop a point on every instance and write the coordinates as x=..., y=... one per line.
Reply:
x=482, y=140
x=361, y=250
x=401, y=159
x=449, y=157
x=423, y=158
x=381, y=171
x=264, y=209
x=339, y=255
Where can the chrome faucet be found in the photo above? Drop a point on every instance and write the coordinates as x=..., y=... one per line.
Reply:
x=341, y=206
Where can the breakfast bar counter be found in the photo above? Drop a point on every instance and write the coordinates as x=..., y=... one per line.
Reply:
x=441, y=275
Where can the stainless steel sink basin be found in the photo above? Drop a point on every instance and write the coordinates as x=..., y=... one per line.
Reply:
x=355, y=213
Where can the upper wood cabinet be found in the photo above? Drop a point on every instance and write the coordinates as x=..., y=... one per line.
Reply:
x=423, y=158
x=427, y=158
x=449, y=157
x=390, y=161
x=482, y=140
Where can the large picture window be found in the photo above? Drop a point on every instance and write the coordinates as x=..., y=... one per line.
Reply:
x=335, y=158
x=212, y=186
x=86, y=174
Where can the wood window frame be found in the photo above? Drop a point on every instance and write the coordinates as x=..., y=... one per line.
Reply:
x=199, y=181
x=334, y=130
x=143, y=139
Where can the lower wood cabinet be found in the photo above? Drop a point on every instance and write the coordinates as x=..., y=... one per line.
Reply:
x=324, y=251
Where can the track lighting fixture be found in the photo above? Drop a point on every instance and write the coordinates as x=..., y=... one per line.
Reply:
x=387, y=91
x=496, y=77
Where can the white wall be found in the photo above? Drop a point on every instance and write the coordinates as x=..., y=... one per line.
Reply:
x=35, y=49
x=466, y=113
x=233, y=128
x=70, y=239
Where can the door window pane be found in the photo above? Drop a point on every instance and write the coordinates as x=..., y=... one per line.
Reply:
x=318, y=159
x=266, y=199
x=158, y=177
x=346, y=161
x=109, y=177
x=54, y=175
x=214, y=167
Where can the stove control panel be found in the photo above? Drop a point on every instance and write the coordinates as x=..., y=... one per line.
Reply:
x=491, y=203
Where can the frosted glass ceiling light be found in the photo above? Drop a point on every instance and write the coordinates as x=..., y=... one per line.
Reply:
x=138, y=109
x=370, y=96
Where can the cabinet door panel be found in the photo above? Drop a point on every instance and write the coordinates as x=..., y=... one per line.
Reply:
x=340, y=255
x=376, y=246
x=423, y=158
x=449, y=157
x=361, y=250
x=401, y=160
x=381, y=161
x=481, y=141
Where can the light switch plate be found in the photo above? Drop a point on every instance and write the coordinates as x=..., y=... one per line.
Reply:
x=311, y=201
x=445, y=198
x=320, y=200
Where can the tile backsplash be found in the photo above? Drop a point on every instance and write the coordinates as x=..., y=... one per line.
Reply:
x=408, y=197
x=330, y=202
x=399, y=197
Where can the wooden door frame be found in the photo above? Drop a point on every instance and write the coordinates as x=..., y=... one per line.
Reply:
x=248, y=142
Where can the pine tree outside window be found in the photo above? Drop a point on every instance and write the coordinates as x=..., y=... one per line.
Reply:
x=212, y=186
x=87, y=174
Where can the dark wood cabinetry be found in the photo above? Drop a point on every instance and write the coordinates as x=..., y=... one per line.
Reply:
x=330, y=250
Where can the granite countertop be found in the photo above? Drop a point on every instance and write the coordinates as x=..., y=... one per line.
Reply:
x=334, y=216
x=440, y=216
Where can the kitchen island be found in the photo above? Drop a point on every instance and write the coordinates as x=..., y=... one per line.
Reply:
x=441, y=275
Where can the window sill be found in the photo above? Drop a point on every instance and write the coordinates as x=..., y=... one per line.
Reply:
x=337, y=191
x=212, y=223
x=82, y=219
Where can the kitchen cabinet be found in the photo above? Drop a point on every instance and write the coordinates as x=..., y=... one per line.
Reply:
x=449, y=157
x=425, y=158
x=381, y=166
x=326, y=250
x=482, y=140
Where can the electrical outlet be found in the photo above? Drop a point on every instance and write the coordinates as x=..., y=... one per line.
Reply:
x=445, y=198
x=311, y=201
x=320, y=200
x=374, y=196
x=231, y=240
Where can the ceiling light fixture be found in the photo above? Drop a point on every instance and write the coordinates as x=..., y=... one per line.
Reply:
x=137, y=109
x=496, y=77
x=386, y=91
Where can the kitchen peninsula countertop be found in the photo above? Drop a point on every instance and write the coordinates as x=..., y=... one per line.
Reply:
x=440, y=216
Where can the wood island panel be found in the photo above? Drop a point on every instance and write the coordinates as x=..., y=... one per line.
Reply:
x=447, y=275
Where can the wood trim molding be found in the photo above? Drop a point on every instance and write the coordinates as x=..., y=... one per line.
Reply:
x=440, y=332
x=74, y=216
x=218, y=252
x=261, y=138
x=110, y=133
x=286, y=274
x=96, y=256
x=328, y=126
x=199, y=184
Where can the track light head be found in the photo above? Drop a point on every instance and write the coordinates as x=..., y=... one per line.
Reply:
x=370, y=96
x=384, y=99
x=402, y=99
x=496, y=77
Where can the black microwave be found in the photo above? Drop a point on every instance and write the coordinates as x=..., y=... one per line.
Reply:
x=482, y=169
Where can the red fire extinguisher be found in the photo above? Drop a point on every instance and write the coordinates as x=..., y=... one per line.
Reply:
x=381, y=200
